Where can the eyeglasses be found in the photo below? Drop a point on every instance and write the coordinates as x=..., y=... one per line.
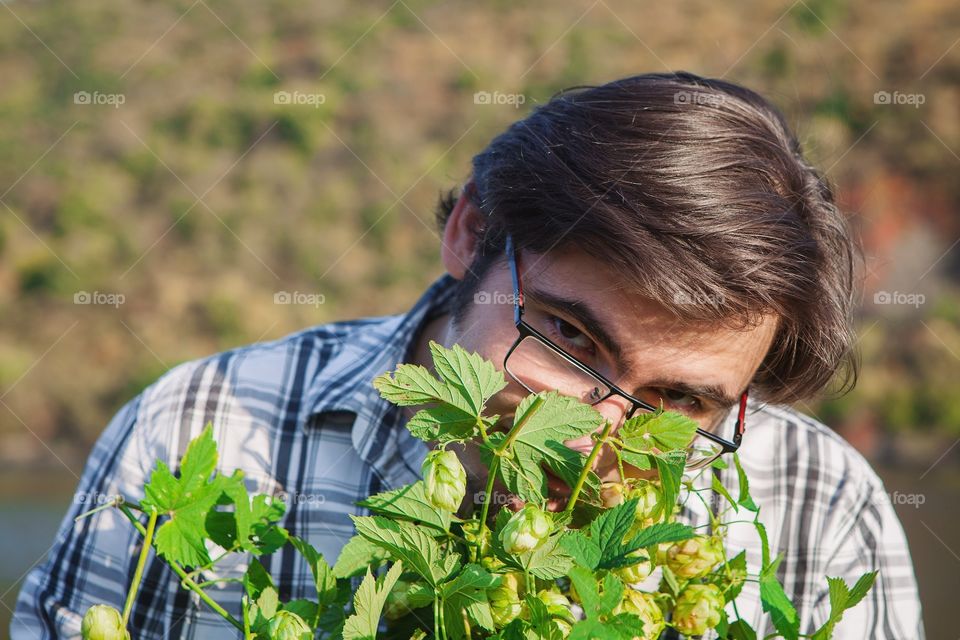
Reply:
x=538, y=364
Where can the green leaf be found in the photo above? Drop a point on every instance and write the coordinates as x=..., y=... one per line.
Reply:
x=407, y=542
x=670, y=469
x=740, y=630
x=186, y=500
x=357, y=555
x=597, y=605
x=843, y=598
x=256, y=579
x=745, y=500
x=368, y=604
x=468, y=592
x=658, y=432
x=467, y=382
x=475, y=379
x=661, y=532
x=548, y=420
x=722, y=490
x=549, y=561
x=408, y=503
x=584, y=550
x=323, y=578
x=774, y=601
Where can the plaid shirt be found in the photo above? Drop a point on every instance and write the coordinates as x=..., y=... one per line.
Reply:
x=300, y=417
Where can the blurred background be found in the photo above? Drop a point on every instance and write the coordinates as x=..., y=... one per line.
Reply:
x=179, y=178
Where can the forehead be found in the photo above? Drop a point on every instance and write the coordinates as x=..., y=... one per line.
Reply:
x=653, y=341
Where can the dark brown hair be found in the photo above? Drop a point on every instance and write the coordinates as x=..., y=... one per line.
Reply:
x=697, y=192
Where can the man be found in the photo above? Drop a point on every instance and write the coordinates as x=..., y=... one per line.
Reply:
x=666, y=233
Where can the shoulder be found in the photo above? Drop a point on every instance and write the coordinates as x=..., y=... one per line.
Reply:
x=797, y=459
x=251, y=391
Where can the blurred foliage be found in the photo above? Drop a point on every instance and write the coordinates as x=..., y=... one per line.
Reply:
x=202, y=195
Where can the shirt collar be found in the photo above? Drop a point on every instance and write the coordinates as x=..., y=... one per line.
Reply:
x=379, y=345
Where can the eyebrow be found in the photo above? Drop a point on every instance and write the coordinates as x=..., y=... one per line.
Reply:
x=578, y=310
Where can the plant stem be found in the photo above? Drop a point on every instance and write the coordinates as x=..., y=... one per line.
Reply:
x=495, y=467
x=184, y=578
x=141, y=562
x=588, y=467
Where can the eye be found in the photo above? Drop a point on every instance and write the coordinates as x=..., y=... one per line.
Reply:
x=570, y=336
x=680, y=399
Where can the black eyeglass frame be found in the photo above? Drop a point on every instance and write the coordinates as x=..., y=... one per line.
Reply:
x=525, y=330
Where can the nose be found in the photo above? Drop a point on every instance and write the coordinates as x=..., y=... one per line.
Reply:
x=614, y=409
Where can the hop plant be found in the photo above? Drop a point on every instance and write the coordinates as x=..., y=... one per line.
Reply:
x=698, y=608
x=486, y=575
x=558, y=606
x=445, y=479
x=694, y=558
x=103, y=622
x=287, y=625
x=645, y=606
x=526, y=530
x=505, y=603
x=639, y=572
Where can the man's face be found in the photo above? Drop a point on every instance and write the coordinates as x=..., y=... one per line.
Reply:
x=584, y=307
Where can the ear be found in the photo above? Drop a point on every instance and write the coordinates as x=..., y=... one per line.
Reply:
x=461, y=235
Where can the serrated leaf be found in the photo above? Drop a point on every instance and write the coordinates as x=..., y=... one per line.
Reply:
x=406, y=542
x=368, y=604
x=323, y=578
x=774, y=601
x=670, y=470
x=549, y=419
x=186, y=500
x=468, y=592
x=466, y=382
x=408, y=503
x=722, y=490
x=582, y=549
x=475, y=378
x=745, y=501
x=843, y=598
x=357, y=555
x=658, y=432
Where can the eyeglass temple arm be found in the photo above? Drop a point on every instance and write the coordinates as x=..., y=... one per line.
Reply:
x=741, y=415
x=515, y=276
